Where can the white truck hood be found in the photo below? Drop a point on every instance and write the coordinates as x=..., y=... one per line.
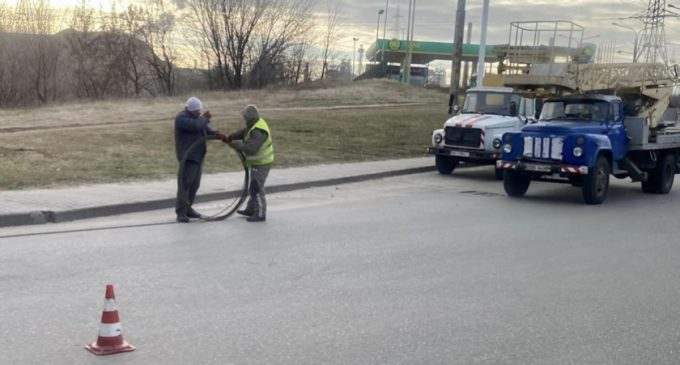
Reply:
x=482, y=121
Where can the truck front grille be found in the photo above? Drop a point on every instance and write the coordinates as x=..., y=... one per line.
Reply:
x=545, y=148
x=465, y=137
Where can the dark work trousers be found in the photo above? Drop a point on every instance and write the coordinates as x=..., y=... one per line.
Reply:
x=188, y=182
x=257, y=204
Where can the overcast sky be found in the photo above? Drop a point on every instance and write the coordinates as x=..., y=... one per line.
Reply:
x=434, y=18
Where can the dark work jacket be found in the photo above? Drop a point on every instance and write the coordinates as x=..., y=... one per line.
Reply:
x=257, y=138
x=189, y=129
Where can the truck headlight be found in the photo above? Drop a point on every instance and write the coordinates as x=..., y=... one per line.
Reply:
x=438, y=138
x=578, y=152
x=497, y=143
x=507, y=148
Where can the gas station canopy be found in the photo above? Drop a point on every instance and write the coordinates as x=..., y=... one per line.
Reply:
x=425, y=52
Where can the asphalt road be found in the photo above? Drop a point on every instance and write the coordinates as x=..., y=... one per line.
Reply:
x=421, y=269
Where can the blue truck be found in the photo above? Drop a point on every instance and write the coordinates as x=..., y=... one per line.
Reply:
x=583, y=139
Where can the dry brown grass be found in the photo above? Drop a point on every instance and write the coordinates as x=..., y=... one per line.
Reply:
x=221, y=104
x=142, y=151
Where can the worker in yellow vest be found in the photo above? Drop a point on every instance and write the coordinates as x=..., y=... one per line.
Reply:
x=255, y=141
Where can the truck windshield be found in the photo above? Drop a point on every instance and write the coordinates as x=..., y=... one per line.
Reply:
x=577, y=110
x=490, y=103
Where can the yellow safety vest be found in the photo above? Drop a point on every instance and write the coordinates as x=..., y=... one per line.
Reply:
x=265, y=155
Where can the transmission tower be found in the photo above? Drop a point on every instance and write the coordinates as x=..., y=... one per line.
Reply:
x=653, y=36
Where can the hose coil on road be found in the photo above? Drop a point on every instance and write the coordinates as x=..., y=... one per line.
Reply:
x=241, y=196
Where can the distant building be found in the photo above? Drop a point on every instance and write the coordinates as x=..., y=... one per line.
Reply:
x=343, y=71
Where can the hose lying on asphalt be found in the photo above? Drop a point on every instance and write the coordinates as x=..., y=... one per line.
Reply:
x=240, y=196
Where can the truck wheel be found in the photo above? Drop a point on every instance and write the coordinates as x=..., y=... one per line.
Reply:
x=445, y=164
x=499, y=174
x=516, y=183
x=660, y=179
x=596, y=183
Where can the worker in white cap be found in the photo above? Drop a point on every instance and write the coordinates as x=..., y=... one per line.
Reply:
x=191, y=127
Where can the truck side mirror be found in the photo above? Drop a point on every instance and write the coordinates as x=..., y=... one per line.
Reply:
x=513, y=109
x=456, y=109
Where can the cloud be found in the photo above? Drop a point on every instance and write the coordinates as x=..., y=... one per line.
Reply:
x=435, y=18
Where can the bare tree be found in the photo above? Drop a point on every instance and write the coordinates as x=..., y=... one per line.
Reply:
x=4, y=60
x=117, y=50
x=4, y=17
x=40, y=56
x=82, y=42
x=158, y=35
x=207, y=28
x=299, y=54
x=132, y=22
x=247, y=39
x=228, y=27
x=330, y=33
x=106, y=55
x=283, y=26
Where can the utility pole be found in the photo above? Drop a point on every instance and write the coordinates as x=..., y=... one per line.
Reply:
x=354, y=55
x=653, y=37
x=361, y=60
x=457, y=57
x=377, y=28
x=409, y=36
x=387, y=9
x=382, y=54
x=481, y=66
x=466, y=69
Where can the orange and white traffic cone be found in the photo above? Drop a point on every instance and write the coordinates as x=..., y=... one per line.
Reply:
x=110, y=340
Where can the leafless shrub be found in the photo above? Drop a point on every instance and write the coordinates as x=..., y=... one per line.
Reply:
x=246, y=40
x=29, y=62
x=157, y=33
x=330, y=34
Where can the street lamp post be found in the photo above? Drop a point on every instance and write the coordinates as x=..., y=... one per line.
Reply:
x=406, y=77
x=382, y=53
x=354, y=55
x=636, y=41
x=377, y=29
x=456, y=57
x=481, y=66
x=387, y=7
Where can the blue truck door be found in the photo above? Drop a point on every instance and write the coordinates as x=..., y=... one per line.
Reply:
x=617, y=133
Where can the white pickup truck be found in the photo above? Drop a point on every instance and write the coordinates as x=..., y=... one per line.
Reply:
x=475, y=134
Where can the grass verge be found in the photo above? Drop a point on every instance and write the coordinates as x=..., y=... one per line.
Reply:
x=228, y=104
x=46, y=158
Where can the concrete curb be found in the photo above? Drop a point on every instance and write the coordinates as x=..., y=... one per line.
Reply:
x=43, y=217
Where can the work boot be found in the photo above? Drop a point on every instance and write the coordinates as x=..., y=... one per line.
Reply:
x=249, y=210
x=246, y=212
x=182, y=219
x=194, y=214
x=259, y=209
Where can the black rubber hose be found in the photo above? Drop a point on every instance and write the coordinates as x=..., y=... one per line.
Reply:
x=230, y=209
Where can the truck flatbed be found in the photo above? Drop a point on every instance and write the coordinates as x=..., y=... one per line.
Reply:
x=585, y=78
x=664, y=138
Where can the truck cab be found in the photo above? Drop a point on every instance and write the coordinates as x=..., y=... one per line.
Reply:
x=583, y=139
x=475, y=134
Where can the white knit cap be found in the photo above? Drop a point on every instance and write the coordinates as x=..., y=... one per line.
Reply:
x=194, y=104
